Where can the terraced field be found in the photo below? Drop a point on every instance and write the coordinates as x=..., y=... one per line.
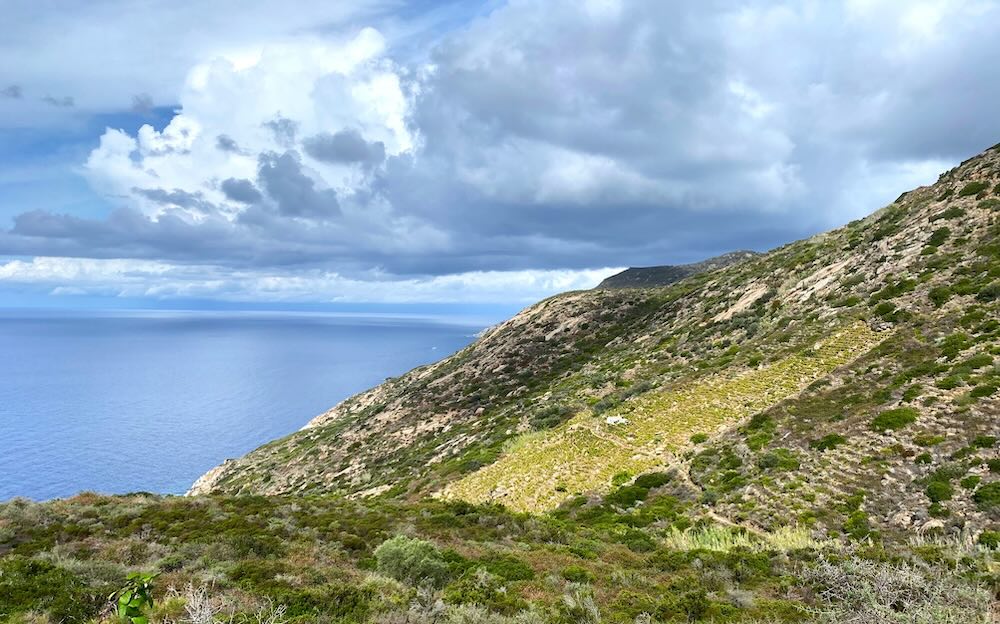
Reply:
x=541, y=470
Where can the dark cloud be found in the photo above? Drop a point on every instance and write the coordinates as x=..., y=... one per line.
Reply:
x=240, y=190
x=142, y=104
x=12, y=92
x=283, y=129
x=66, y=101
x=346, y=146
x=293, y=191
x=227, y=144
x=176, y=197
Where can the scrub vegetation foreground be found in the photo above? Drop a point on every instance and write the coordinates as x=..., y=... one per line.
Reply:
x=806, y=435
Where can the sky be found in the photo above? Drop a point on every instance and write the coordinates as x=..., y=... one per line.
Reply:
x=458, y=152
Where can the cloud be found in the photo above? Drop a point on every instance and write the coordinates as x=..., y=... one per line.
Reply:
x=176, y=197
x=345, y=146
x=295, y=192
x=65, y=101
x=142, y=103
x=162, y=280
x=12, y=92
x=242, y=190
x=543, y=136
x=284, y=130
x=226, y=143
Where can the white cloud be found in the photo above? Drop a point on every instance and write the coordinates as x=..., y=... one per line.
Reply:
x=318, y=86
x=161, y=280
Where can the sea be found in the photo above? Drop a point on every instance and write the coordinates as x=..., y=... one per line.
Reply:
x=147, y=401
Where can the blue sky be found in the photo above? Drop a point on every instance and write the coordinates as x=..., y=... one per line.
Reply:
x=442, y=153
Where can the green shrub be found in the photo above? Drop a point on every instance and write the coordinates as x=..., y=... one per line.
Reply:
x=939, y=236
x=989, y=293
x=984, y=441
x=937, y=510
x=989, y=539
x=412, y=561
x=952, y=212
x=987, y=497
x=577, y=574
x=857, y=525
x=779, y=459
x=827, y=442
x=638, y=541
x=973, y=188
x=891, y=420
x=698, y=438
x=652, y=480
x=939, y=295
x=983, y=390
x=507, y=567
x=32, y=585
x=970, y=482
x=479, y=587
x=923, y=458
x=626, y=496
x=938, y=491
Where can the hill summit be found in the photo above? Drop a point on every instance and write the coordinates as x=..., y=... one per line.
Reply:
x=848, y=381
x=652, y=277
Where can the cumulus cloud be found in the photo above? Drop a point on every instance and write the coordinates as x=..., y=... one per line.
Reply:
x=544, y=136
x=13, y=92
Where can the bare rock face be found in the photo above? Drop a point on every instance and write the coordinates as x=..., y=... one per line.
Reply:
x=857, y=446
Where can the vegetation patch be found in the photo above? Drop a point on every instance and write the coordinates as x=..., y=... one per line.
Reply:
x=891, y=420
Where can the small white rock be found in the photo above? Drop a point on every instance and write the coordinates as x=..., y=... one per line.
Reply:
x=616, y=420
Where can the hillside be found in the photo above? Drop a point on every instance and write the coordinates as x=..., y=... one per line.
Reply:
x=809, y=435
x=652, y=277
x=860, y=362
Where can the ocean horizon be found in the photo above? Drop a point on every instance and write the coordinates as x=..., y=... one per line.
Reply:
x=118, y=401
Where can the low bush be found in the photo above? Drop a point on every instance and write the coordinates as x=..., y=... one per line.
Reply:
x=413, y=561
x=973, y=188
x=987, y=497
x=827, y=442
x=938, y=491
x=577, y=574
x=891, y=420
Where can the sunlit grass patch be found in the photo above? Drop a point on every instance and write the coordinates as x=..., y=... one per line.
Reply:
x=539, y=472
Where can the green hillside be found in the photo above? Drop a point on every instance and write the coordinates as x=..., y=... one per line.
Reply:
x=809, y=435
x=762, y=382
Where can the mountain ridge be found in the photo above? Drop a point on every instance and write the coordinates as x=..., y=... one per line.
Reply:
x=664, y=275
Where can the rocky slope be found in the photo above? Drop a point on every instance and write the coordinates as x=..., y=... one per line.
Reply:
x=848, y=381
x=653, y=277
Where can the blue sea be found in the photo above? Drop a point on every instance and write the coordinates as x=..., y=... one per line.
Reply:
x=148, y=401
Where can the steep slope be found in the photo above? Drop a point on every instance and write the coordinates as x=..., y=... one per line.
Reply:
x=653, y=277
x=848, y=380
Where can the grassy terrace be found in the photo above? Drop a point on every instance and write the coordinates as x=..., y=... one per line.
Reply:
x=541, y=470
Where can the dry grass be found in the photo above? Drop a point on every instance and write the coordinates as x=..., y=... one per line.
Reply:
x=724, y=539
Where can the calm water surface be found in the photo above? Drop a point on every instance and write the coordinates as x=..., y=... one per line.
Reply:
x=149, y=401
